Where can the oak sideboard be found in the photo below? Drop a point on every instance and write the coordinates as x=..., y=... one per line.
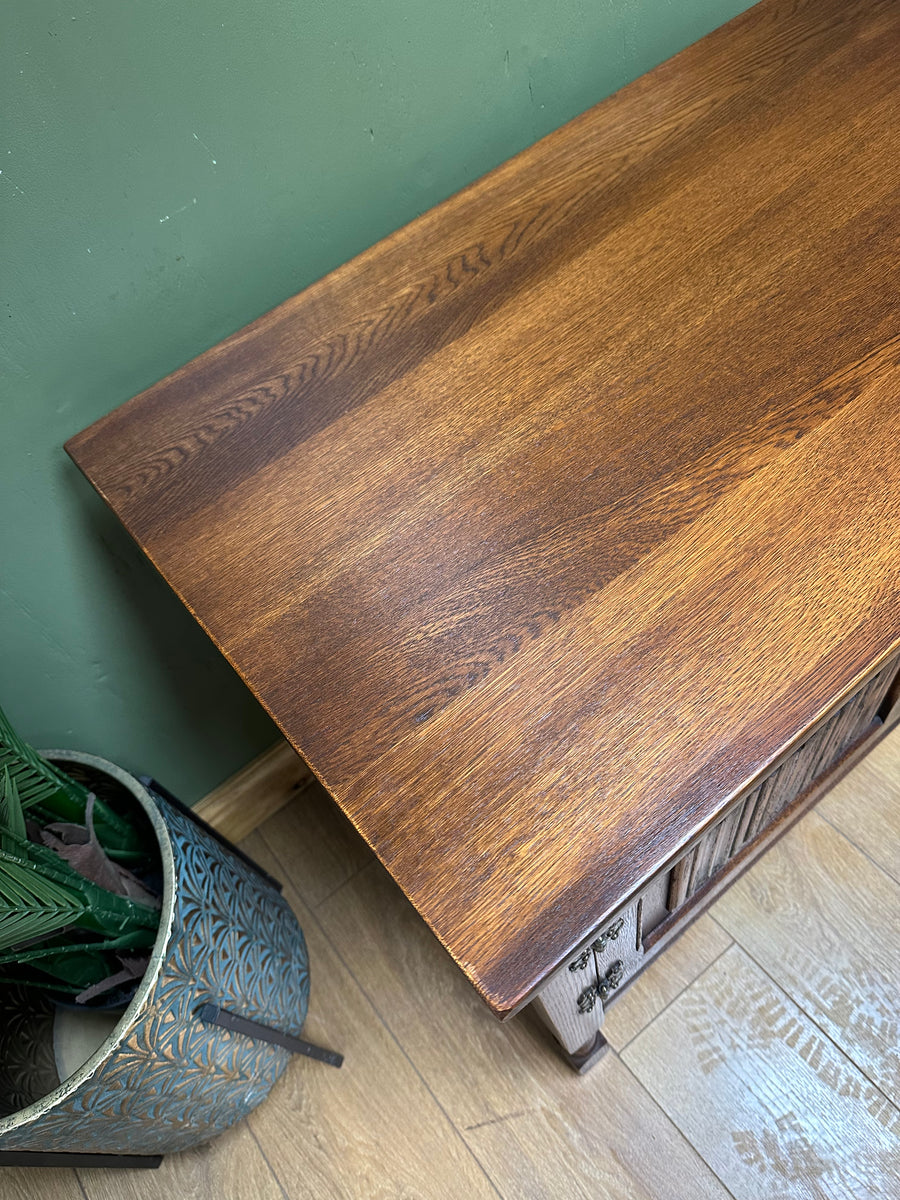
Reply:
x=560, y=531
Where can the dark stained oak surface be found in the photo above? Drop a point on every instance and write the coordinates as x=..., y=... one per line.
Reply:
x=543, y=526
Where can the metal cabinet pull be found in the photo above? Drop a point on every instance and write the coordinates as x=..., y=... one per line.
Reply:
x=597, y=946
x=600, y=990
x=607, y=936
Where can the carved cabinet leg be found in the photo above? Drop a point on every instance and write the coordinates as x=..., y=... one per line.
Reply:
x=574, y=1030
x=571, y=1002
x=585, y=1058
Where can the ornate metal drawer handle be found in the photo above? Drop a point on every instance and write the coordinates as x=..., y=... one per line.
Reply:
x=597, y=946
x=588, y=999
x=600, y=990
x=609, y=935
x=611, y=979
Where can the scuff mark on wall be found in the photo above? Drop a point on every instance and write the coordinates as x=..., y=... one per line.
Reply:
x=168, y=216
x=14, y=185
x=205, y=147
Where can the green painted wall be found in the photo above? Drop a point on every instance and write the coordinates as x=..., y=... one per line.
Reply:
x=170, y=170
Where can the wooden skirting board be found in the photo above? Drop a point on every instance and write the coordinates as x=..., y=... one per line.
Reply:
x=236, y=807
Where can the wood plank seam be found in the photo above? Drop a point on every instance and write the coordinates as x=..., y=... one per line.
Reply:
x=789, y=1134
x=678, y=1133
x=370, y=1001
x=349, y=879
x=669, y=1003
x=856, y=846
x=797, y=1001
x=265, y=1159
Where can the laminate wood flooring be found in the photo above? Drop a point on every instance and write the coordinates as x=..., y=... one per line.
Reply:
x=757, y=1057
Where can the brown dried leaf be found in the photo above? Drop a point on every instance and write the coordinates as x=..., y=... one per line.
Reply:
x=132, y=968
x=79, y=846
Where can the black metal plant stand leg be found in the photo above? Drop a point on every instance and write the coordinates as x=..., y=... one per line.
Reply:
x=213, y=1015
x=70, y=1158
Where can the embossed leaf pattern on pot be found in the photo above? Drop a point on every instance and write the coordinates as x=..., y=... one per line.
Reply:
x=172, y=1081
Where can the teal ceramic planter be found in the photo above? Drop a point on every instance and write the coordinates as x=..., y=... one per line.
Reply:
x=164, y=1080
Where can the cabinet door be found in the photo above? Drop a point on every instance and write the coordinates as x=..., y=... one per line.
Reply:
x=571, y=1002
x=752, y=814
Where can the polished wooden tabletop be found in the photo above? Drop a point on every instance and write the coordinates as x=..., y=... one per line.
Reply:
x=544, y=525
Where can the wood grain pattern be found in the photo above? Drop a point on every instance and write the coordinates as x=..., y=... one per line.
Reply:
x=317, y=847
x=865, y=807
x=664, y=979
x=674, y=925
x=591, y=1150
x=800, y=1119
x=832, y=945
x=533, y=1124
x=558, y=1001
x=805, y=766
x=231, y=1167
x=545, y=525
x=371, y=1128
x=539, y=1129
x=479, y=1069
x=20, y=1183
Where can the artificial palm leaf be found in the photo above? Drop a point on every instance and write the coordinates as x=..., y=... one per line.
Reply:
x=82, y=967
x=136, y=939
x=64, y=911
x=78, y=967
x=12, y=819
x=33, y=906
x=43, y=898
x=41, y=786
x=37, y=780
x=102, y=912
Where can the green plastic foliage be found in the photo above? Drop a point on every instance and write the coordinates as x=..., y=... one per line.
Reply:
x=57, y=928
x=12, y=819
x=32, y=906
x=43, y=787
